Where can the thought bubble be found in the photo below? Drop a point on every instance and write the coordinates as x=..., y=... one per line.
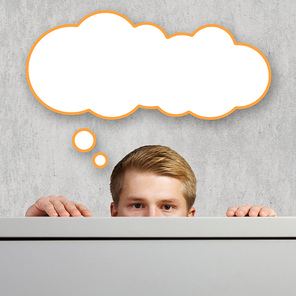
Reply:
x=110, y=67
x=84, y=140
x=100, y=160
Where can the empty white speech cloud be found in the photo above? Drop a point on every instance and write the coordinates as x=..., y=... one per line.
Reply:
x=110, y=67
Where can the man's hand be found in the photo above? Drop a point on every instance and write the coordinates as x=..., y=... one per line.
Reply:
x=55, y=206
x=250, y=210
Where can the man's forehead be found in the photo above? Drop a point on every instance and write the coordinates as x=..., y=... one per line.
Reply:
x=134, y=174
x=150, y=187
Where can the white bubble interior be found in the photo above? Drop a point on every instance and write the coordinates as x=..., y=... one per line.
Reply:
x=100, y=160
x=84, y=140
x=207, y=73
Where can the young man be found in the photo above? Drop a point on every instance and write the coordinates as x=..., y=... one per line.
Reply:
x=151, y=181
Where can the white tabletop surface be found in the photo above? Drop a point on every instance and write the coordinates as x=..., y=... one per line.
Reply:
x=123, y=227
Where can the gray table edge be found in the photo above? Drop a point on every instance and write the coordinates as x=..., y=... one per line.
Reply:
x=127, y=227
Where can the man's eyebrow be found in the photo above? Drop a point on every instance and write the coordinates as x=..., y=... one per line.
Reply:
x=135, y=198
x=168, y=200
x=171, y=200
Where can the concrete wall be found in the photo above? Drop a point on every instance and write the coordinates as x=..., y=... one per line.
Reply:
x=245, y=157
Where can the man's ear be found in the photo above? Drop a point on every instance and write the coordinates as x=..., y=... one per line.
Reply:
x=113, y=210
x=191, y=212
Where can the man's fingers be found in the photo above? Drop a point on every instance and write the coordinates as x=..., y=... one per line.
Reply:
x=267, y=212
x=231, y=211
x=83, y=209
x=254, y=211
x=50, y=210
x=64, y=207
x=60, y=208
x=43, y=204
x=71, y=208
x=54, y=206
x=243, y=210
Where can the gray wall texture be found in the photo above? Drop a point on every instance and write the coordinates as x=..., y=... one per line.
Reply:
x=247, y=156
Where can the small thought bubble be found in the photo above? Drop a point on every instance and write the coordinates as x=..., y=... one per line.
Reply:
x=100, y=160
x=110, y=67
x=84, y=140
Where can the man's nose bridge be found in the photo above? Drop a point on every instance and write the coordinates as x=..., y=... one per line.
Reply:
x=152, y=211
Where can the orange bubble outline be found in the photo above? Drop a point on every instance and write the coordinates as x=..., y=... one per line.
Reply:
x=141, y=106
x=84, y=130
x=94, y=160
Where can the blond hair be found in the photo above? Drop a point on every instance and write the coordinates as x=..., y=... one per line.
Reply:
x=159, y=160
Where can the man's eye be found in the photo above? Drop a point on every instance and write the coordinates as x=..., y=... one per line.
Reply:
x=167, y=207
x=137, y=206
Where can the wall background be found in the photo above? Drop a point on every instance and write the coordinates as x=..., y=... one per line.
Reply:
x=246, y=157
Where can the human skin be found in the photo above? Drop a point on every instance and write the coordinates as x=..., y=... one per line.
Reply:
x=144, y=195
x=150, y=195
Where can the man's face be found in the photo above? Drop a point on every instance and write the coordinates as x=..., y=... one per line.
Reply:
x=150, y=195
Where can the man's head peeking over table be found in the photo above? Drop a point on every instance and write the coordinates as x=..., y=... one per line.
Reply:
x=151, y=181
